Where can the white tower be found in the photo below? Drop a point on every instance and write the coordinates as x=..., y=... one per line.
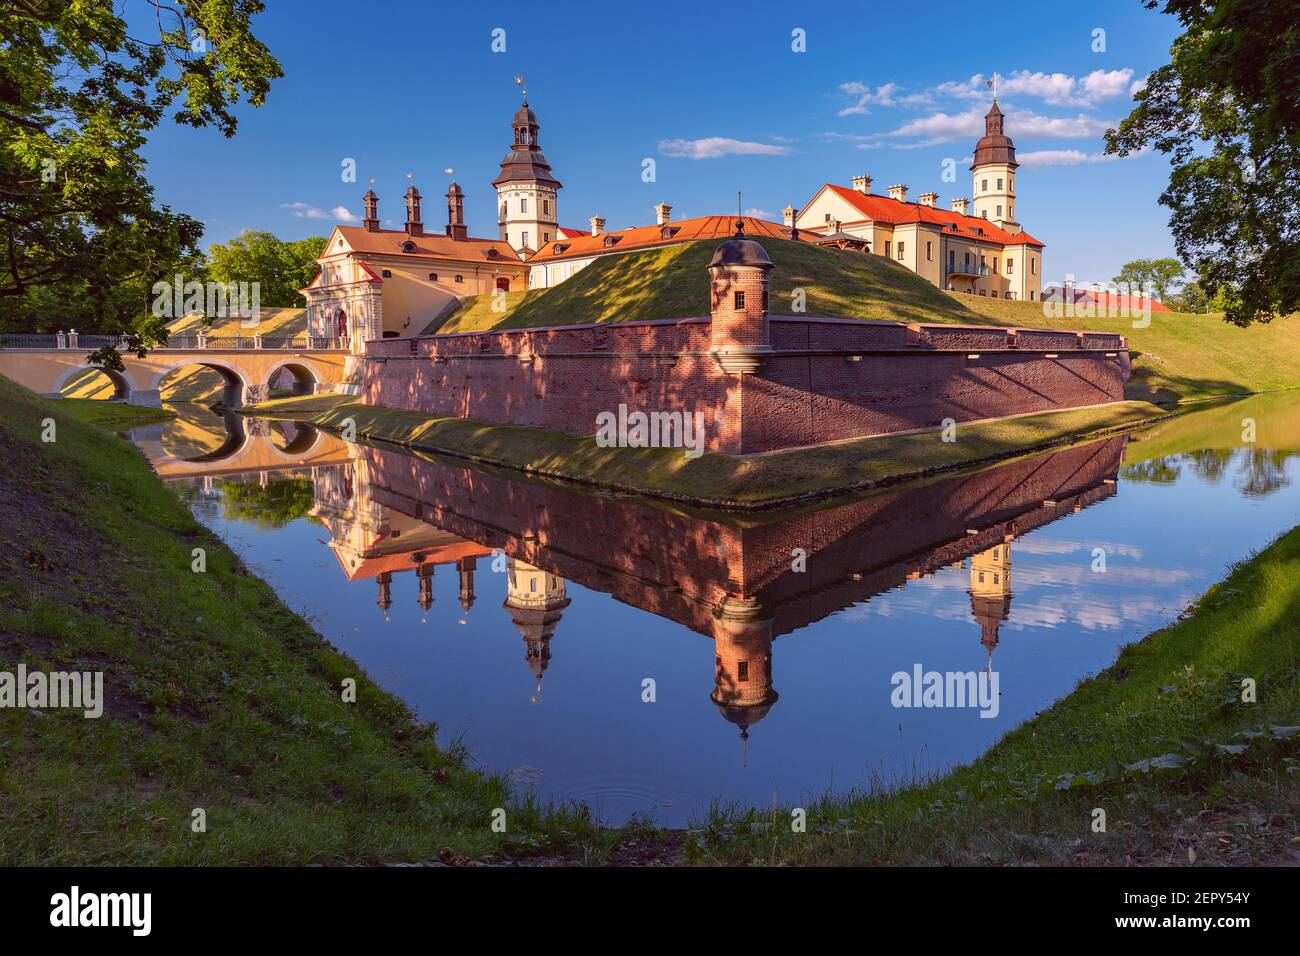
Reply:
x=994, y=172
x=526, y=190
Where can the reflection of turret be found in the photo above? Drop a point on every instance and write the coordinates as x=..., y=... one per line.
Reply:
x=466, y=568
x=743, y=663
x=536, y=601
x=385, y=599
x=990, y=591
x=425, y=573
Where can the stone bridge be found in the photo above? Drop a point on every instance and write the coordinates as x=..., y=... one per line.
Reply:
x=45, y=363
x=249, y=449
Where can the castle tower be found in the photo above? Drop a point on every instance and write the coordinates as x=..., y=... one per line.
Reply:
x=371, y=202
x=742, y=637
x=414, y=227
x=385, y=600
x=990, y=591
x=994, y=172
x=536, y=601
x=740, y=338
x=526, y=189
x=456, y=212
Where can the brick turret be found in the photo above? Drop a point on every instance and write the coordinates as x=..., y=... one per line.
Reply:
x=740, y=337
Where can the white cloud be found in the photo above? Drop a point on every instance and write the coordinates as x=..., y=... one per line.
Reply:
x=342, y=215
x=303, y=210
x=887, y=94
x=1137, y=87
x=1056, y=89
x=1068, y=157
x=763, y=214
x=711, y=147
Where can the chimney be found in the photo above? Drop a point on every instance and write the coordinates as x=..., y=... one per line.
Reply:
x=861, y=183
x=929, y=199
x=833, y=226
x=371, y=201
x=456, y=212
x=597, y=225
x=960, y=206
x=787, y=215
x=662, y=212
x=414, y=227
x=898, y=191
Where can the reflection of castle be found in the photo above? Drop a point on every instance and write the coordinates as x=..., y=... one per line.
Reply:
x=373, y=541
x=536, y=601
x=990, y=591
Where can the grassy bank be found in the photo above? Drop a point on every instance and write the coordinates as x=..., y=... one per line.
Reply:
x=1161, y=741
x=1178, y=357
x=218, y=697
x=712, y=480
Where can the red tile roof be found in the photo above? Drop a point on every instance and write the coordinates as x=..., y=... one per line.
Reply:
x=389, y=242
x=885, y=209
x=670, y=233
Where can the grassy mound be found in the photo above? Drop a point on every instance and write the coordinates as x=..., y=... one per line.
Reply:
x=1177, y=358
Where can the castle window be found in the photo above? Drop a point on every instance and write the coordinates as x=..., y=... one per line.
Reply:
x=546, y=237
x=900, y=250
x=1033, y=266
x=433, y=277
x=984, y=185
x=387, y=274
x=952, y=259
x=886, y=248
x=524, y=243
x=740, y=300
x=408, y=246
x=999, y=211
x=460, y=278
x=523, y=205
x=546, y=207
x=828, y=217
x=929, y=251
x=764, y=300
x=999, y=185
x=1031, y=295
x=1011, y=266
x=742, y=671
x=985, y=214
x=995, y=265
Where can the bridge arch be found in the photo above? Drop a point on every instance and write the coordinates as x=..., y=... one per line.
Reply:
x=305, y=379
x=123, y=385
x=236, y=387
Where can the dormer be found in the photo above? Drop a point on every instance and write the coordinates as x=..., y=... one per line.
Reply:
x=408, y=246
x=611, y=241
x=667, y=232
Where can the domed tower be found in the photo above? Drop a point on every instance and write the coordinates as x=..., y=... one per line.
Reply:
x=740, y=338
x=526, y=189
x=742, y=637
x=536, y=602
x=425, y=575
x=385, y=599
x=994, y=172
x=456, y=212
x=990, y=591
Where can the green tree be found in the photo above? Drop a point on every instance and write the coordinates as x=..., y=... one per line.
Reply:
x=1226, y=110
x=79, y=93
x=280, y=268
x=1162, y=274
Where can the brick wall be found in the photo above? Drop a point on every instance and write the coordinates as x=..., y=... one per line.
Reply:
x=827, y=379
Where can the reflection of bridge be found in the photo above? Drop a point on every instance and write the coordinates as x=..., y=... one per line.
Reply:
x=249, y=448
x=45, y=363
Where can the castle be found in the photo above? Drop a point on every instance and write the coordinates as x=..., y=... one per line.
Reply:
x=384, y=283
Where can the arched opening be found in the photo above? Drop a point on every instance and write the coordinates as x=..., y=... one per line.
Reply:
x=202, y=388
x=503, y=283
x=340, y=323
x=293, y=438
x=95, y=383
x=291, y=379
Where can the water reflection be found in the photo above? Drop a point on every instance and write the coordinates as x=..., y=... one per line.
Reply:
x=601, y=590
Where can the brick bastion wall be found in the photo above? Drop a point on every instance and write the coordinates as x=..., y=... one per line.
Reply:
x=762, y=383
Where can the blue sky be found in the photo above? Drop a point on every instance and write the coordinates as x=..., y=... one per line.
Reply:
x=713, y=93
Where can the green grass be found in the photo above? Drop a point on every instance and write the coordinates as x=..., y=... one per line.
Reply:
x=218, y=696
x=1229, y=790
x=713, y=480
x=1180, y=357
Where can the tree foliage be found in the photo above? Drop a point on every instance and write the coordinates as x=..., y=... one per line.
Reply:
x=1226, y=110
x=79, y=94
x=280, y=268
x=1160, y=275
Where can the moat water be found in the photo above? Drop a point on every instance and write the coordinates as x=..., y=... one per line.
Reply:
x=641, y=660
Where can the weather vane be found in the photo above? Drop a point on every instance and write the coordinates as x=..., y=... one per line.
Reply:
x=449, y=171
x=994, y=84
x=519, y=82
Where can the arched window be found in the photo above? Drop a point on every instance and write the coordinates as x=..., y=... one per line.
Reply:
x=433, y=277
x=387, y=274
x=460, y=278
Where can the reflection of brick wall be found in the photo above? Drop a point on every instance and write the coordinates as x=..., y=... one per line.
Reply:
x=682, y=566
x=811, y=390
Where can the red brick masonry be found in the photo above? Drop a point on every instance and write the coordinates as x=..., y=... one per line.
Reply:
x=826, y=379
